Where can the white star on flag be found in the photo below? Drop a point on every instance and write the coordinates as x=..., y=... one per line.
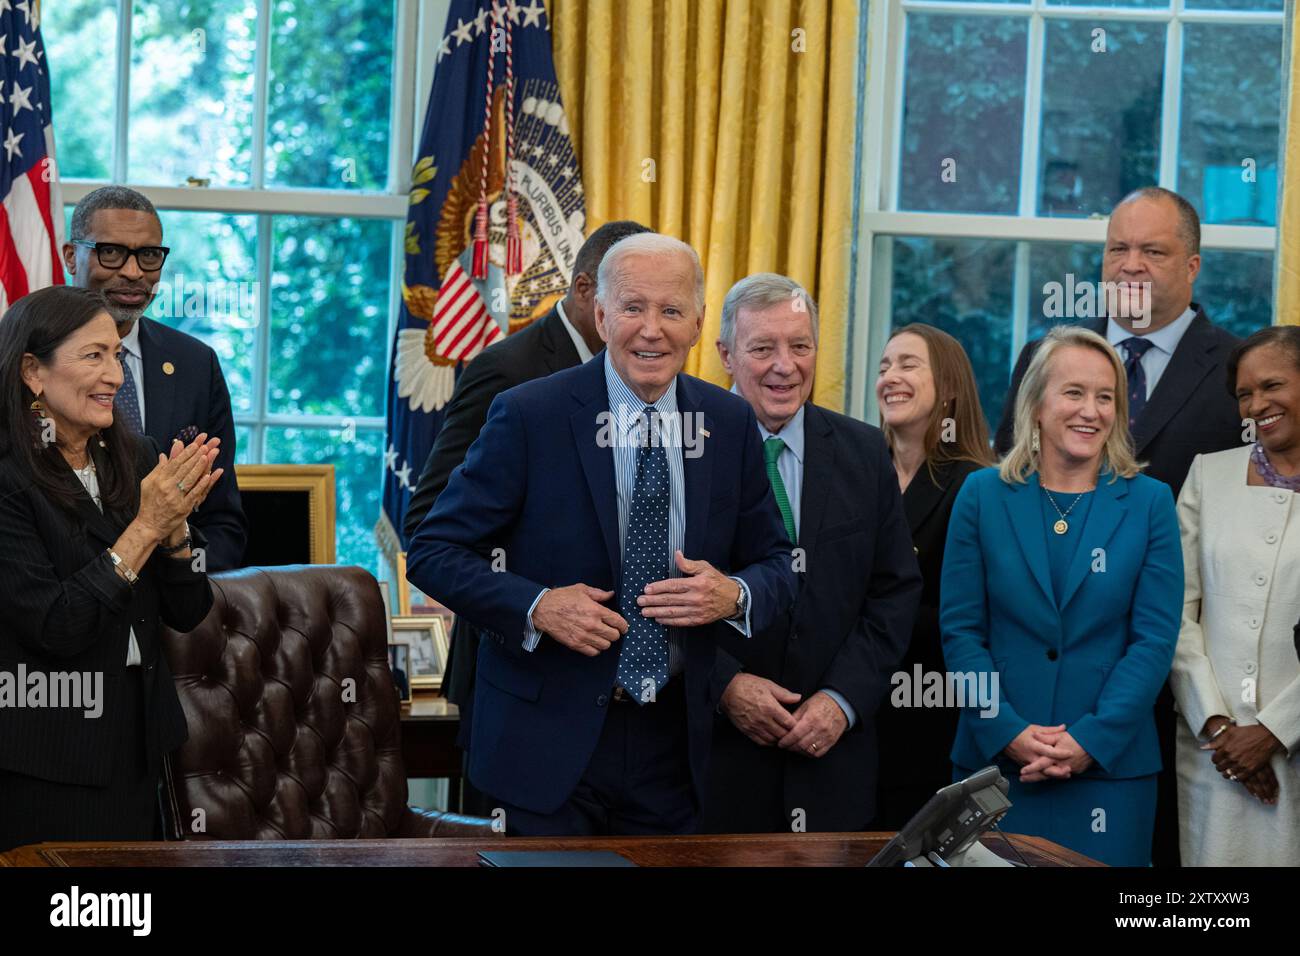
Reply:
x=25, y=53
x=533, y=14
x=20, y=99
x=11, y=143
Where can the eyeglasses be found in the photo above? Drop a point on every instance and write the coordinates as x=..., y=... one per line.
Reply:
x=114, y=256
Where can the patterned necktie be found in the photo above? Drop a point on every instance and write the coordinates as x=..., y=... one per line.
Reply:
x=1134, y=348
x=127, y=401
x=772, y=449
x=643, y=659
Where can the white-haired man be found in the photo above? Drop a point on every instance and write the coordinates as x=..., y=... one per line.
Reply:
x=797, y=744
x=610, y=522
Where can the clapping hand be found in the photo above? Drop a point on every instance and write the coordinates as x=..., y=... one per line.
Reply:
x=178, y=484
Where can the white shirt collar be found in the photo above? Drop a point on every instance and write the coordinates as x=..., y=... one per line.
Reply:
x=131, y=342
x=791, y=433
x=1165, y=339
x=579, y=343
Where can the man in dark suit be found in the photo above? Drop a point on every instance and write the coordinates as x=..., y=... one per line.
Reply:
x=564, y=337
x=1174, y=356
x=1175, y=359
x=609, y=522
x=796, y=747
x=173, y=386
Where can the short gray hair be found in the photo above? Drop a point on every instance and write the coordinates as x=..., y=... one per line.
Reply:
x=760, y=291
x=108, y=197
x=646, y=244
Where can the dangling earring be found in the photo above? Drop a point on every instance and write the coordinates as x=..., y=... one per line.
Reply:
x=100, y=437
x=1033, y=441
x=38, y=410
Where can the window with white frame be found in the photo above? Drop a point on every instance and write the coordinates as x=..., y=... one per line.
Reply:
x=996, y=137
x=274, y=136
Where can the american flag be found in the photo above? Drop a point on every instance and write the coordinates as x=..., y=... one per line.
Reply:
x=30, y=233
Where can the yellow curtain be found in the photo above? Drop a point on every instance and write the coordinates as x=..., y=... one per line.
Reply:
x=730, y=125
x=1288, y=225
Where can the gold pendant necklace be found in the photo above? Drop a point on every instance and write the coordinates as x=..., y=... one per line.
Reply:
x=1061, y=526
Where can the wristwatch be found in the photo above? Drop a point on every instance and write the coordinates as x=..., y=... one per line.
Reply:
x=130, y=575
x=742, y=602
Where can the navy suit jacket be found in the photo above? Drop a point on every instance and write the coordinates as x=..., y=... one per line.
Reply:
x=537, y=485
x=190, y=400
x=1095, y=660
x=848, y=629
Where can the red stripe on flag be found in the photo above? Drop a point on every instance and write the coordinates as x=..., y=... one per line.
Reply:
x=41, y=187
x=13, y=274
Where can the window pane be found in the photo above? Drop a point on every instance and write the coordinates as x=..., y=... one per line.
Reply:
x=329, y=315
x=209, y=289
x=1145, y=4
x=965, y=287
x=244, y=445
x=81, y=44
x=357, y=457
x=328, y=112
x=1273, y=5
x=1057, y=271
x=192, y=92
x=963, y=111
x=1232, y=101
x=1101, y=114
x=1236, y=289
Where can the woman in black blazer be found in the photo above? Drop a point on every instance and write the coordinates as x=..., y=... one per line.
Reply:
x=930, y=413
x=95, y=555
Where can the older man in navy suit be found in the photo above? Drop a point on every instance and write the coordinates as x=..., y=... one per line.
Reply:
x=610, y=522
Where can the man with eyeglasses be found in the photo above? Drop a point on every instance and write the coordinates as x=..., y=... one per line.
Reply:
x=172, y=384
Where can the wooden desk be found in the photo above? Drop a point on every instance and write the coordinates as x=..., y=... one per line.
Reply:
x=808, y=849
x=429, y=728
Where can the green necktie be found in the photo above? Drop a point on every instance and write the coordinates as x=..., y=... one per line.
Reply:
x=772, y=449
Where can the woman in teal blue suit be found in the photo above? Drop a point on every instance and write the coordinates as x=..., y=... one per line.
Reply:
x=1063, y=581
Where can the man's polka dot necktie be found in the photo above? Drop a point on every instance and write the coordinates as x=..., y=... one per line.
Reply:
x=1134, y=348
x=643, y=657
x=126, y=403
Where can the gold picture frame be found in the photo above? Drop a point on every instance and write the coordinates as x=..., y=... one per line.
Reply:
x=427, y=635
x=317, y=481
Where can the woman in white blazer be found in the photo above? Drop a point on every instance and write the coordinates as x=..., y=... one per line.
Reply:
x=1236, y=676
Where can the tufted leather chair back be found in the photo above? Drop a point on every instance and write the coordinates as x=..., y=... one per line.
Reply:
x=293, y=714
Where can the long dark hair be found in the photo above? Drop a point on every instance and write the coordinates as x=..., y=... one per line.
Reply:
x=39, y=323
x=956, y=397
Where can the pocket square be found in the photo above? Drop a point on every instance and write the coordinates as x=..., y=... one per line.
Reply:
x=187, y=434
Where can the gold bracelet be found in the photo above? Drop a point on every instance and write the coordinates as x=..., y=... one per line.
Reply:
x=130, y=575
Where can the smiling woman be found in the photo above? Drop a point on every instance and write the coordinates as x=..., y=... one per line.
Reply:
x=94, y=557
x=1078, y=616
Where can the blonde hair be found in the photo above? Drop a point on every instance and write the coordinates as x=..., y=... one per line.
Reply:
x=1117, y=455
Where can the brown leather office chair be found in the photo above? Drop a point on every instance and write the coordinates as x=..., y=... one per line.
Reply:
x=293, y=715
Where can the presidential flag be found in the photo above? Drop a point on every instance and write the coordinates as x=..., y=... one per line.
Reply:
x=30, y=230
x=495, y=222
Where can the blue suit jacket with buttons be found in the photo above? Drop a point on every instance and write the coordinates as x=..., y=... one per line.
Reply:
x=1093, y=661
x=538, y=486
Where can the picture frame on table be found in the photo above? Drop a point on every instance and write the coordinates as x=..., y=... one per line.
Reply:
x=427, y=636
x=399, y=662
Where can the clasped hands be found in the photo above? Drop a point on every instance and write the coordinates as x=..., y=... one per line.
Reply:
x=1241, y=754
x=758, y=708
x=574, y=616
x=1047, y=753
x=178, y=484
